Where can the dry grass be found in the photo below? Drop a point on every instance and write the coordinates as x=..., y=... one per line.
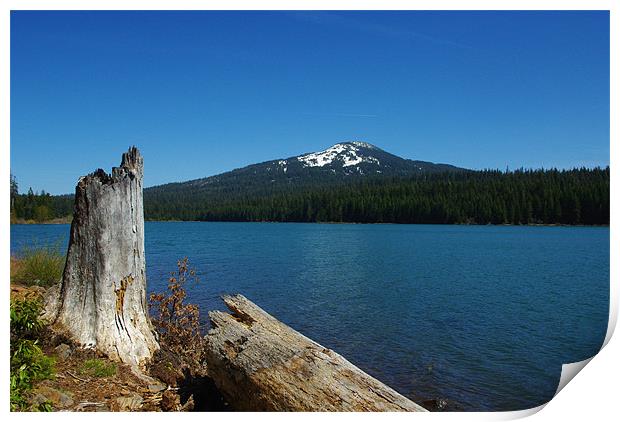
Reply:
x=37, y=266
x=16, y=266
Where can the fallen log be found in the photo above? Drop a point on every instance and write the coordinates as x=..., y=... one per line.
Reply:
x=261, y=364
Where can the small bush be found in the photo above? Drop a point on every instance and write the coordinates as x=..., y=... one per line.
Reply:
x=42, y=266
x=176, y=322
x=31, y=363
x=98, y=368
x=25, y=321
x=28, y=362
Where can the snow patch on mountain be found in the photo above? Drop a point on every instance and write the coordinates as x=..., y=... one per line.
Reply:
x=322, y=158
x=348, y=153
x=364, y=145
x=351, y=160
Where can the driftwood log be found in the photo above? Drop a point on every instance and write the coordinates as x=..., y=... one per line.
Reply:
x=101, y=300
x=261, y=364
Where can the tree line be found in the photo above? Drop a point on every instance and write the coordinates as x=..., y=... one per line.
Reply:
x=40, y=206
x=577, y=196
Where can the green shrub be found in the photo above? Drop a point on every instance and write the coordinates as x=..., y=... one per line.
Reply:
x=41, y=266
x=43, y=407
x=25, y=321
x=98, y=368
x=18, y=401
x=28, y=362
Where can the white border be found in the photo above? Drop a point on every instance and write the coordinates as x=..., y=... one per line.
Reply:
x=591, y=396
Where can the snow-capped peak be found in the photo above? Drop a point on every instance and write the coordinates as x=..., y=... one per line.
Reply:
x=364, y=144
x=346, y=152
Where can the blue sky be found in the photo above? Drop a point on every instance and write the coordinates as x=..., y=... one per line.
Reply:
x=201, y=93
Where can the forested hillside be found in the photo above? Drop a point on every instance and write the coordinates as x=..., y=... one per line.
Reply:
x=476, y=197
x=579, y=196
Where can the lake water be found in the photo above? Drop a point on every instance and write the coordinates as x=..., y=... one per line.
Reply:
x=482, y=316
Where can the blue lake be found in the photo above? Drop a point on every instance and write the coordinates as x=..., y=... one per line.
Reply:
x=482, y=316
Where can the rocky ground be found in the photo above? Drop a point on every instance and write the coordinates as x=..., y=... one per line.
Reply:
x=75, y=389
x=163, y=386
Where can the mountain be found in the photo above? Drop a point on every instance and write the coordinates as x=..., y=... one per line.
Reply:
x=339, y=163
x=358, y=182
x=234, y=194
x=360, y=158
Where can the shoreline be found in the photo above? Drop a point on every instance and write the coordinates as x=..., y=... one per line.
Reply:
x=68, y=221
x=63, y=220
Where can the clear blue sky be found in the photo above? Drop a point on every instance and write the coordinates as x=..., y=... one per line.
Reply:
x=201, y=93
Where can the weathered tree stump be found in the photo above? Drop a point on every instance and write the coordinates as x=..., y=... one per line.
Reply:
x=261, y=364
x=101, y=301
